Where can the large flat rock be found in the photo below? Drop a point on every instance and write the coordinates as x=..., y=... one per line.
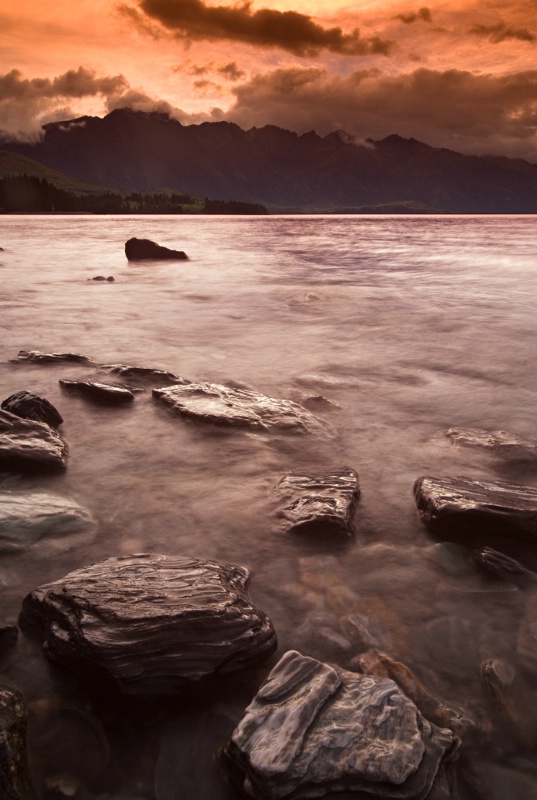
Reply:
x=315, y=730
x=26, y=517
x=221, y=405
x=37, y=357
x=150, y=624
x=97, y=392
x=29, y=445
x=466, y=506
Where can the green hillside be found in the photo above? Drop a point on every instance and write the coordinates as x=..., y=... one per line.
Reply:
x=13, y=164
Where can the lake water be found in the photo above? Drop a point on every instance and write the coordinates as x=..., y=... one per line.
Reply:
x=409, y=326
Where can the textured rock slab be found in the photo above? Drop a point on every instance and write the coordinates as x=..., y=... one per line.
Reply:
x=319, y=504
x=315, y=730
x=25, y=517
x=146, y=250
x=36, y=357
x=30, y=406
x=14, y=778
x=146, y=375
x=29, y=445
x=501, y=566
x=150, y=624
x=503, y=445
x=462, y=505
x=105, y=393
x=221, y=405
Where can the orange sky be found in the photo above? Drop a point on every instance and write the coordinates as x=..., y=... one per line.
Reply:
x=454, y=74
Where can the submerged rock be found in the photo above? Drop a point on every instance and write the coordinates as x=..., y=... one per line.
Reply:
x=461, y=506
x=500, y=444
x=214, y=403
x=35, y=357
x=323, y=503
x=316, y=730
x=30, y=406
x=147, y=375
x=145, y=249
x=105, y=393
x=14, y=778
x=29, y=445
x=150, y=624
x=25, y=517
x=500, y=565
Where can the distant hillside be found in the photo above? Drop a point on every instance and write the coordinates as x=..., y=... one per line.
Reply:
x=138, y=151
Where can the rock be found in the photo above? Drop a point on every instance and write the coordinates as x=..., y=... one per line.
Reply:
x=35, y=357
x=110, y=278
x=150, y=624
x=510, y=697
x=500, y=444
x=501, y=781
x=30, y=406
x=146, y=375
x=25, y=517
x=145, y=249
x=14, y=778
x=500, y=565
x=29, y=445
x=319, y=504
x=316, y=730
x=105, y=393
x=461, y=506
x=8, y=638
x=214, y=403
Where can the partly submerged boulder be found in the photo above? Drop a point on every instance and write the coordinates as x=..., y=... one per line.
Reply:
x=316, y=730
x=150, y=624
x=105, y=393
x=36, y=357
x=30, y=406
x=319, y=503
x=14, y=776
x=214, y=403
x=146, y=250
x=29, y=445
x=500, y=444
x=144, y=375
x=462, y=506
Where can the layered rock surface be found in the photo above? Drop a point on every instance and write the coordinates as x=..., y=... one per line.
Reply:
x=105, y=393
x=14, y=777
x=30, y=406
x=501, y=444
x=149, y=375
x=150, y=624
x=315, y=730
x=29, y=445
x=37, y=357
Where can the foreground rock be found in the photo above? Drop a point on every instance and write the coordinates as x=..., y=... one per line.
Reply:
x=464, y=506
x=146, y=250
x=145, y=375
x=29, y=445
x=31, y=406
x=25, y=517
x=105, y=393
x=14, y=779
x=316, y=730
x=319, y=504
x=150, y=624
x=221, y=405
x=503, y=445
x=36, y=357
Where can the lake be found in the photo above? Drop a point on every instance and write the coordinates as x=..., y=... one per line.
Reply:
x=408, y=326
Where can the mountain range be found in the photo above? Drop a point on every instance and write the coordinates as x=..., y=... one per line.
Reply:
x=140, y=151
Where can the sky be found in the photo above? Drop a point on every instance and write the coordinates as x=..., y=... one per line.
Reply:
x=453, y=73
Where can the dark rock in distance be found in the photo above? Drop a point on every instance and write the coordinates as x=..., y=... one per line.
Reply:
x=150, y=624
x=105, y=393
x=315, y=730
x=147, y=375
x=35, y=357
x=101, y=278
x=458, y=507
x=30, y=406
x=319, y=504
x=503, y=445
x=30, y=445
x=146, y=250
x=15, y=781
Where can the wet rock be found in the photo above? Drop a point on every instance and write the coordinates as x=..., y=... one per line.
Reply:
x=461, y=506
x=26, y=517
x=510, y=697
x=35, y=357
x=145, y=249
x=146, y=375
x=500, y=444
x=14, y=778
x=105, y=393
x=214, y=403
x=150, y=624
x=315, y=730
x=8, y=638
x=30, y=406
x=501, y=566
x=110, y=278
x=321, y=503
x=29, y=445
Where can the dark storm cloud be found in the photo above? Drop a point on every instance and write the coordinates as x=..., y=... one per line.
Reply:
x=423, y=14
x=288, y=30
x=501, y=32
x=231, y=71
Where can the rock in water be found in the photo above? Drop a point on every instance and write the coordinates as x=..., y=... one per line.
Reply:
x=212, y=402
x=314, y=729
x=323, y=503
x=150, y=624
x=31, y=406
x=147, y=375
x=500, y=444
x=146, y=250
x=500, y=565
x=460, y=506
x=105, y=393
x=29, y=445
x=35, y=357
x=14, y=779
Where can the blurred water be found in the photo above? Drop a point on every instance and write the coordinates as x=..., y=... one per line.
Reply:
x=409, y=325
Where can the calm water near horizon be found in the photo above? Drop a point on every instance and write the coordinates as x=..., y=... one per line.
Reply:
x=409, y=326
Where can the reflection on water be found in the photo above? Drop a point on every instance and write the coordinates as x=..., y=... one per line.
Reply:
x=408, y=326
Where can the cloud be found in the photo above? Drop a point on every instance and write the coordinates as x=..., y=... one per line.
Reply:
x=423, y=14
x=501, y=32
x=461, y=110
x=268, y=28
x=231, y=71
